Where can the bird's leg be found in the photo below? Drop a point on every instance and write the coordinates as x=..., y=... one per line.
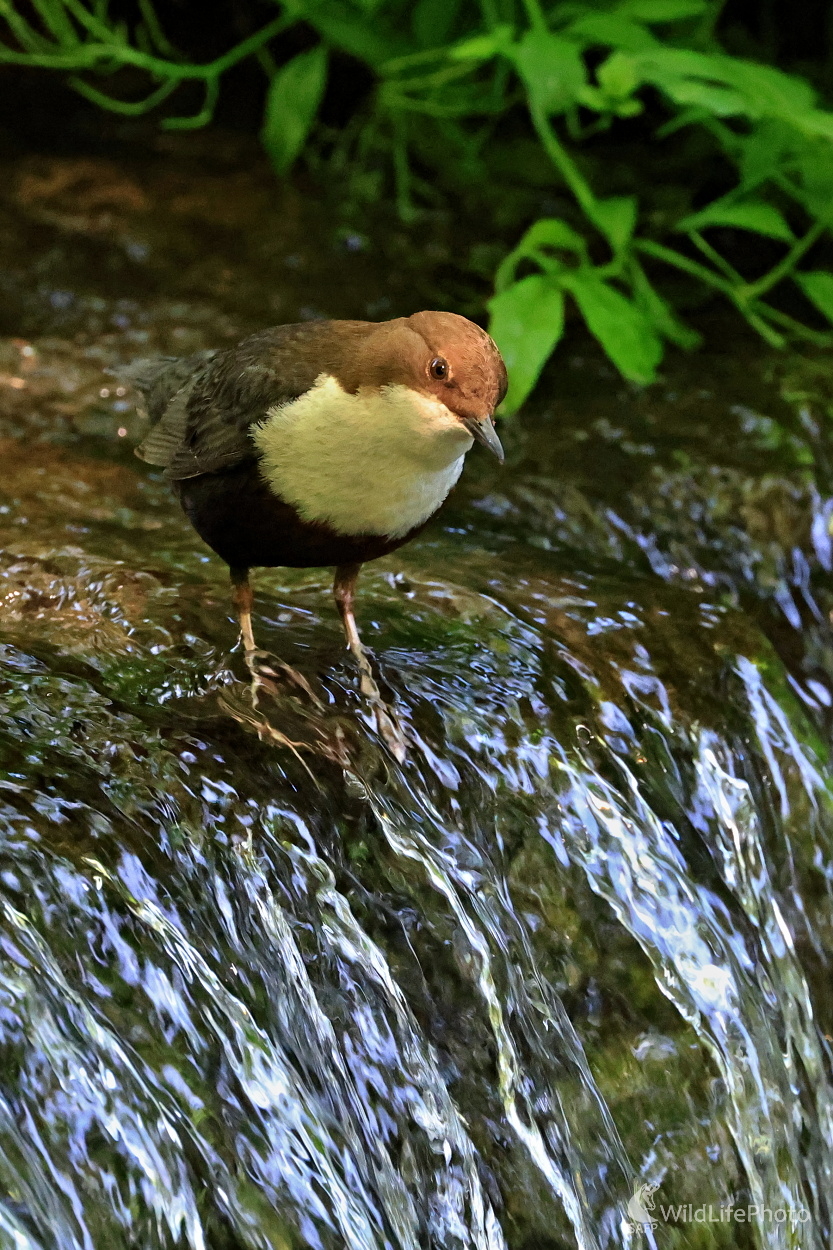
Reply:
x=387, y=722
x=344, y=591
x=243, y=599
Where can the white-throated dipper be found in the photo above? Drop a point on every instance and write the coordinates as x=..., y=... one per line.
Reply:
x=321, y=443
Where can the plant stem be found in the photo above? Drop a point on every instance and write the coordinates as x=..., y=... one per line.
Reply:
x=536, y=16
x=88, y=56
x=563, y=163
x=398, y=63
x=691, y=267
x=212, y=90
x=491, y=17
x=401, y=168
x=89, y=21
x=715, y=257
x=128, y=108
x=819, y=337
x=788, y=263
x=729, y=289
x=56, y=21
x=154, y=29
x=21, y=30
x=758, y=323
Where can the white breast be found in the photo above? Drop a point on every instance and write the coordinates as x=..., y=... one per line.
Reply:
x=378, y=462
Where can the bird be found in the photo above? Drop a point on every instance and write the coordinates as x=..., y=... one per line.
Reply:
x=321, y=443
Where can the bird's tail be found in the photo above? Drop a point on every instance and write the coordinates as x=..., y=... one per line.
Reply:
x=159, y=378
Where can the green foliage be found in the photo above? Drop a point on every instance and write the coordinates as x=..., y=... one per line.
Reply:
x=818, y=287
x=446, y=72
x=772, y=140
x=527, y=320
x=752, y=215
x=624, y=329
x=291, y=105
x=551, y=69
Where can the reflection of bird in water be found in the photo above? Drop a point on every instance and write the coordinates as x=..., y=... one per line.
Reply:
x=322, y=443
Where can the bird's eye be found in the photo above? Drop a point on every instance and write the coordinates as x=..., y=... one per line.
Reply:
x=438, y=368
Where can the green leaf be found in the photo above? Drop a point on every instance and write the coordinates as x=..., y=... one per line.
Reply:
x=748, y=215
x=769, y=91
x=552, y=70
x=364, y=39
x=549, y=232
x=291, y=105
x=483, y=47
x=593, y=98
x=527, y=320
x=616, y=218
x=618, y=76
x=763, y=151
x=727, y=86
x=692, y=78
x=552, y=232
x=621, y=327
x=719, y=101
x=660, y=314
x=814, y=123
x=815, y=163
x=662, y=10
x=612, y=31
x=818, y=287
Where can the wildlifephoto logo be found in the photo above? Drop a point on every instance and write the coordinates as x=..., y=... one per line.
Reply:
x=644, y=1212
x=640, y=1206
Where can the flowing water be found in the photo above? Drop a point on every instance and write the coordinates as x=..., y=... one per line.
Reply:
x=261, y=985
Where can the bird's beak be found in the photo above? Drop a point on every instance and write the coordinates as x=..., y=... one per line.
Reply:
x=483, y=430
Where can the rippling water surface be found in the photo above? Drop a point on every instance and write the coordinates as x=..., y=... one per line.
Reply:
x=577, y=942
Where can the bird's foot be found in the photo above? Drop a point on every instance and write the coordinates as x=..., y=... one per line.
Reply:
x=262, y=674
x=387, y=723
x=266, y=672
x=389, y=729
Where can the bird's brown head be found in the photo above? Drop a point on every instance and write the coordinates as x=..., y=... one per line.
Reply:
x=443, y=357
x=458, y=363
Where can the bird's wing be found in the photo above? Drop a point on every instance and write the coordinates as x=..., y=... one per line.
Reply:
x=160, y=377
x=212, y=400
x=165, y=440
